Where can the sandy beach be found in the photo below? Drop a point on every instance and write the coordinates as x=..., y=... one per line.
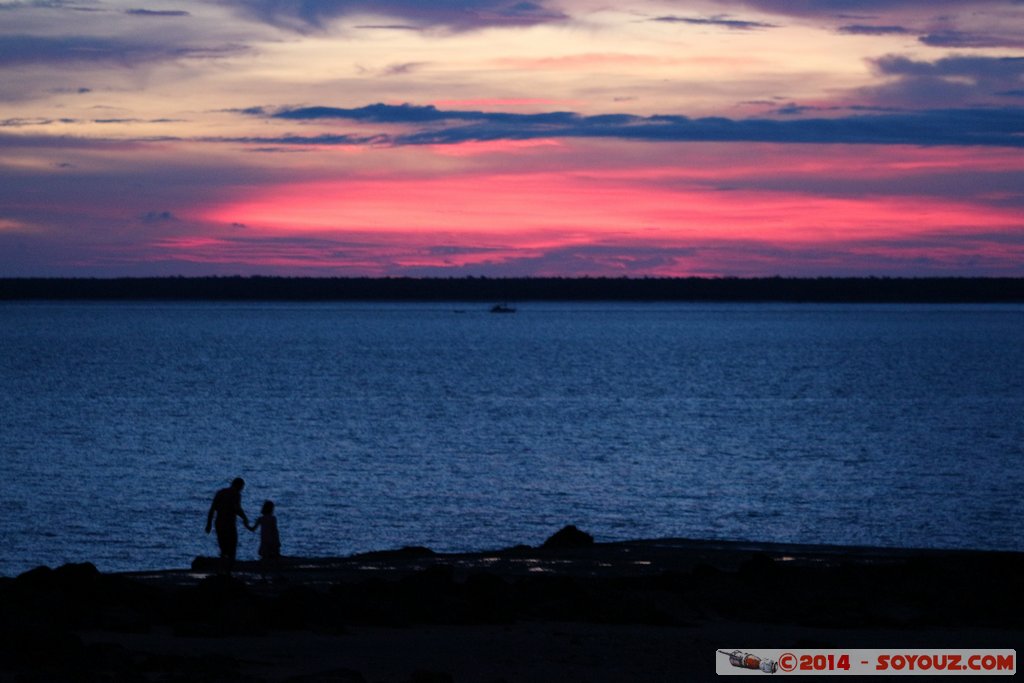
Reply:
x=646, y=610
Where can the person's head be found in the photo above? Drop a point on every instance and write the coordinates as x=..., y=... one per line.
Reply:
x=238, y=484
x=268, y=507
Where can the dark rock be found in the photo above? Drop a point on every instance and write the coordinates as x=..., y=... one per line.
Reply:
x=554, y=597
x=40, y=648
x=301, y=607
x=217, y=606
x=521, y=549
x=333, y=676
x=704, y=571
x=440, y=577
x=121, y=619
x=76, y=574
x=40, y=576
x=56, y=598
x=489, y=598
x=206, y=667
x=485, y=584
x=409, y=552
x=424, y=676
x=759, y=566
x=206, y=564
x=66, y=575
x=218, y=588
x=569, y=537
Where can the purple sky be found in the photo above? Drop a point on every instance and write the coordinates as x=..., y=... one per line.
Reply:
x=492, y=137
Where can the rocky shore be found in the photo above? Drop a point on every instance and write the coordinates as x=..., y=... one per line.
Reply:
x=571, y=610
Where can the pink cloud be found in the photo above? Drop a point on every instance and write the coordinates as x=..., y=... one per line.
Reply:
x=595, y=207
x=616, y=220
x=704, y=190
x=503, y=147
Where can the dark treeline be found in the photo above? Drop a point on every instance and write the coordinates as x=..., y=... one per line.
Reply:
x=482, y=289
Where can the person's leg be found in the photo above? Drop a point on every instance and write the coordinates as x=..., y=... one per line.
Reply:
x=227, y=538
x=272, y=565
x=232, y=549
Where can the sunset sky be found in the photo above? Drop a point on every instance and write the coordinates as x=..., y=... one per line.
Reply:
x=511, y=137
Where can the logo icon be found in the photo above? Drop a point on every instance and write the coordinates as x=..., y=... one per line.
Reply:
x=744, y=660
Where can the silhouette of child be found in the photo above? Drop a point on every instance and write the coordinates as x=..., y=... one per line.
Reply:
x=270, y=541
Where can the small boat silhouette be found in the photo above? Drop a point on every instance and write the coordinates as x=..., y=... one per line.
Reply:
x=502, y=308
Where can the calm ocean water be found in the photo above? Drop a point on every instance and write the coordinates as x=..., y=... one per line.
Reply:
x=374, y=426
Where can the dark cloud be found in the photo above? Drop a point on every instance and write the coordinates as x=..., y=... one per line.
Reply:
x=417, y=114
x=48, y=4
x=976, y=68
x=456, y=15
x=402, y=69
x=838, y=8
x=37, y=122
x=26, y=49
x=16, y=50
x=339, y=140
x=388, y=27
x=158, y=217
x=19, y=141
x=872, y=30
x=20, y=123
x=961, y=80
x=938, y=23
x=158, y=13
x=964, y=39
x=993, y=126
x=720, y=21
x=794, y=109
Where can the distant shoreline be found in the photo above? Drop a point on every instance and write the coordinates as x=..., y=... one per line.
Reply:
x=485, y=289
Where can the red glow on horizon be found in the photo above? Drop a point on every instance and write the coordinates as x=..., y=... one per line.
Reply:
x=524, y=207
x=597, y=208
x=477, y=147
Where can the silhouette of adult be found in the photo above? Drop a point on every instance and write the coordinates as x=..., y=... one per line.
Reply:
x=226, y=506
